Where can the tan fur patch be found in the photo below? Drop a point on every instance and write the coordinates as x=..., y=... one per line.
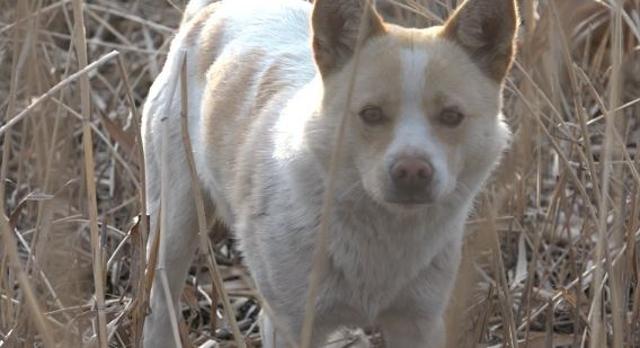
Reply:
x=204, y=31
x=447, y=70
x=272, y=81
x=379, y=84
x=227, y=112
x=193, y=26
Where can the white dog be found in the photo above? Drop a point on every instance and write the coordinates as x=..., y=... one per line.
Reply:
x=269, y=82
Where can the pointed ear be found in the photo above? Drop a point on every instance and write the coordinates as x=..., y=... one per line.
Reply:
x=335, y=25
x=486, y=30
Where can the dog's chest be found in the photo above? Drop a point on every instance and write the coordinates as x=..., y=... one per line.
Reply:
x=373, y=260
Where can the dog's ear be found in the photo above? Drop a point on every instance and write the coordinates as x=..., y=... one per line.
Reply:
x=336, y=25
x=486, y=30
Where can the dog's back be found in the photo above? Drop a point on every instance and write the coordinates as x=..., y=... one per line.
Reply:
x=264, y=62
x=243, y=57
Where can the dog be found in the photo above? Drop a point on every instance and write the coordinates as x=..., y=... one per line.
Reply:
x=270, y=84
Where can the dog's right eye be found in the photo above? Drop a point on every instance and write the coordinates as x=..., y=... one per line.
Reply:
x=372, y=115
x=450, y=117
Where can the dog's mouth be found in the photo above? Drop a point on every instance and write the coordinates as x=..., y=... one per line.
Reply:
x=384, y=194
x=402, y=204
x=409, y=201
x=408, y=210
x=410, y=198
x=408, y=207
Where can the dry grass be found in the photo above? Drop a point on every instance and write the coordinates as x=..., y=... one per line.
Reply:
x=551, y=255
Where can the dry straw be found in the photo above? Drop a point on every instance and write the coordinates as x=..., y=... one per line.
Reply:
x=551, y=255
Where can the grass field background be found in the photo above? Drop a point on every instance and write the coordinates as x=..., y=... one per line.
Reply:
x=551, y=255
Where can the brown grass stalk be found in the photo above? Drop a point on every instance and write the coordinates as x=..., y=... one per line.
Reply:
x=205, y=243
x=89, y=165
x=25, y=285
x=615, y=124
x=160, y=266
x=320, y=253
x=17, y=62
x=139, y=312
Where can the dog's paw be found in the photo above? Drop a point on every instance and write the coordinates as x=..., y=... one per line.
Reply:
x=347, y=338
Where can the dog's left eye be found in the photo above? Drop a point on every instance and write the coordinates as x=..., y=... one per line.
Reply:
x=371, y=115
x=450, y=117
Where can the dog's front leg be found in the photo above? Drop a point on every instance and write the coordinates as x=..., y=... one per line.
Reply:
x=281, y=334
x=415, y=319
x=409, y=331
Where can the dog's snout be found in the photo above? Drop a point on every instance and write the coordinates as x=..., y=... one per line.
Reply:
x=411, y=174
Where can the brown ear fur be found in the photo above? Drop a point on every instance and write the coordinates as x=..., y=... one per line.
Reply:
x=486, y=30
x=335, y=25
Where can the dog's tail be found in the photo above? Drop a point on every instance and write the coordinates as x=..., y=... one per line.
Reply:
x=194, y=7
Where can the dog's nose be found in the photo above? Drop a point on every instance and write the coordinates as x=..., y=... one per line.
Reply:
x=411, y=174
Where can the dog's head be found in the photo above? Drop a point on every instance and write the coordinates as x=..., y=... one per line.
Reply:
x=423, y=105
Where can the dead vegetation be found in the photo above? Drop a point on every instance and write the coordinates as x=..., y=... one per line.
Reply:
x=551, y=255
